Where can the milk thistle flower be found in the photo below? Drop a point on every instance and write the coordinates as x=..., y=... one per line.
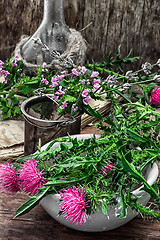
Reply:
x=73, y=205
x=31, y=177
x=155, y=98
x=9, y=180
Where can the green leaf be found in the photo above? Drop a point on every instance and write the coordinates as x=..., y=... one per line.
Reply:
x=26, y=89
x=129, y=167
x=92, y=112
x=70, y=98
x=64, y=83
x=121, y=207
x=122, y=95
x=32, y=202
x=135, y=135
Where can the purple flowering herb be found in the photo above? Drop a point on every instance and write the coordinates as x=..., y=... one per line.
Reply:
x=73, y=205
x=94, y=74
x=60, y=91
x=84, y=69
x=64, y=105
x=85, y=92
x=13, y=64
x=86, y=100
x=96, y=86
x=75, y=72
x=96, y=81
x=44, y=65
x=4, y=72
x=45, y=81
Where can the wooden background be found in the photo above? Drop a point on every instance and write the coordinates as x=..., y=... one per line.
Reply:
x=130, y=23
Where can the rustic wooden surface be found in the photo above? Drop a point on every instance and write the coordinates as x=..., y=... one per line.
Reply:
x=104, y=24
x=38, y=225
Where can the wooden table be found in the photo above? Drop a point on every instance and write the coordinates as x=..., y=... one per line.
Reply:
x=38, y=225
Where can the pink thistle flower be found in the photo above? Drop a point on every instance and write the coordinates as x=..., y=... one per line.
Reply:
x=64, y=105
x=85, y=92
x=31, y=177
x=107, y=168
x=155, y=98
x=75, y=72
x=45, y=81
x=86, y=100
x=94, y=74
x=73, y=205
x=9, y=180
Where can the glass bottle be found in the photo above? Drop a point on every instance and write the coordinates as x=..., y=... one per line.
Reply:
x=51, y=36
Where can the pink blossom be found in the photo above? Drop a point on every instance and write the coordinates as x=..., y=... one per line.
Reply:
x=84, y=69
x=63, y=74
x=59, y=78
x=1, y=62
x=96, y=86
x=94, y=74
x=54, y=82
x=9, y=180
x=45, y=81
x=60, y=92
x=4, y=72
x=155, y=98
x=108, y=167
x=16, y=59
x=64, y=105
x=55, y=98
x=31, y=177
x=86, y=100
x=44, y=65
x=73, y=205
x=75, y=72
x=13, y=64
x=96, y=81
x=85, y=92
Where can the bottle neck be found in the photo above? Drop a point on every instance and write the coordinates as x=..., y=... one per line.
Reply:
x=53, y=11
